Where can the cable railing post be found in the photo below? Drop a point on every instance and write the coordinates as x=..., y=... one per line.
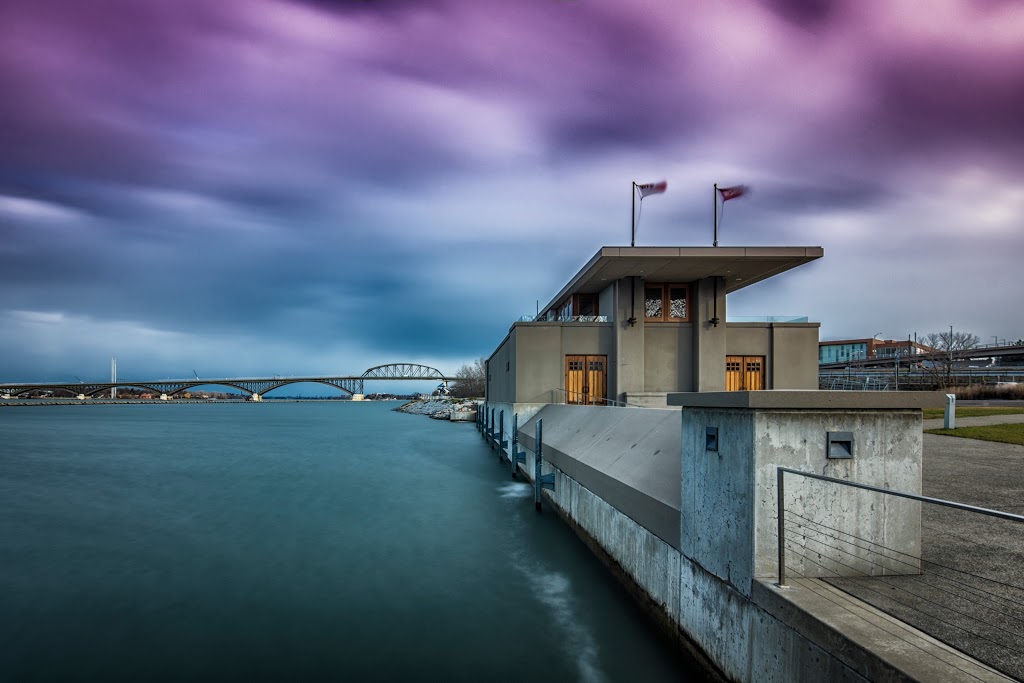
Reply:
x=537, y=460
x=501, y=434
x=515, y=455
x=780, y=473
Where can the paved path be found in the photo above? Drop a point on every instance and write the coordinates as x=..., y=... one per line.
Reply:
x=970, y=593
x=976, y=421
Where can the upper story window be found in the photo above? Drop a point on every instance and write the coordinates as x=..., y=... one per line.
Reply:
x=578, y=305
x=565, y=311
x=666, y=303
x=586, y=304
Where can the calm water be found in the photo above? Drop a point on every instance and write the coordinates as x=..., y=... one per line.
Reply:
x=327, y=541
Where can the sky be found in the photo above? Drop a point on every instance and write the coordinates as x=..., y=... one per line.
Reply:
x=259, y=187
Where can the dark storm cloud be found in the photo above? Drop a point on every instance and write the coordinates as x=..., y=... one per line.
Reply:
x=951, y=104
x=85, y=82
x=595, y=76
x=806, y=13
x=821, y=194
x=373, y=7
x=191, y=99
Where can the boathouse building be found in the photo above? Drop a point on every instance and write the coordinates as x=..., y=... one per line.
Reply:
x=638, y=323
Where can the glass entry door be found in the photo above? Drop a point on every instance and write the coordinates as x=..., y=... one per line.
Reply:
x=586, y=380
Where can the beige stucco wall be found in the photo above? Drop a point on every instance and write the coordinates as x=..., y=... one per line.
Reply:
x=668, y=353
x=748, y=339
x=795, y=361
x=501, y=383
x=538, y=362
x=586, y=338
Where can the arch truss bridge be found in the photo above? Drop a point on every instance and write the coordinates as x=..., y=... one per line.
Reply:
x=257, y=387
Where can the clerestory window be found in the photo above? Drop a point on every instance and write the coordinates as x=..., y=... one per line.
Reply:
x=666, y=303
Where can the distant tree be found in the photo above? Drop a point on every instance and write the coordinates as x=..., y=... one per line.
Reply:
x=471, y=380
x=949, y=343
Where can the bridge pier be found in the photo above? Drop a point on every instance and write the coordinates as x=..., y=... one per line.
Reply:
x=256, y=397
x=165, y=397
x=358, y=397
x=81, y=397
x=7, y=396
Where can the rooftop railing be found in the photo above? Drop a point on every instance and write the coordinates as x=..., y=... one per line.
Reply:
x=766, y=319
x=565, y=319
x=603, y=319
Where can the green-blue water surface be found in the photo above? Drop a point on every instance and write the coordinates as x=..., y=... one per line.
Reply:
x=291, y=541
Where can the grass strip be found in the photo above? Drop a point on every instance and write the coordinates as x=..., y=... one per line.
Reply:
x=972, y=411
x=1008, y=433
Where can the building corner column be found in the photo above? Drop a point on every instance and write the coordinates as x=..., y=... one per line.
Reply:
x=629, y=338
x=709, y=340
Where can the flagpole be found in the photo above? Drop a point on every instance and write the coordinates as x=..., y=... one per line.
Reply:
x=715, y=243
x=632, y=218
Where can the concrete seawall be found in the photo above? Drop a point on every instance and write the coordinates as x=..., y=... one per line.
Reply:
x=703, y=568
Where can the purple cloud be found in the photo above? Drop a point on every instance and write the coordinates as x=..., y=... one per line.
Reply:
x=247, y=166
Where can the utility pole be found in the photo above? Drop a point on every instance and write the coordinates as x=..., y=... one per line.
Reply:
x=113, y=377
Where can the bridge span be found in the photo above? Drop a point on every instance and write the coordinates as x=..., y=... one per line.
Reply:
x=257, y=387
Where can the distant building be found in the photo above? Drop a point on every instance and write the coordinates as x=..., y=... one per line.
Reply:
x=846, y=350
x=637, y=323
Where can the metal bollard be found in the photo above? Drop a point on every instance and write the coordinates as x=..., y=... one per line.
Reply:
x=546, y=481
x=490, y=431
x=537, y=448
x=516, y=456
x=501, y=434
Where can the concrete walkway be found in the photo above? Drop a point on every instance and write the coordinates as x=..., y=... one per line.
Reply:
x=970, y=593
x=976, y=421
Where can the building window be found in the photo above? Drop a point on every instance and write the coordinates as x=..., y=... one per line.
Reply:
x=578, y=306
x=666, y=303
x=586, y=304
x=565, y=311
x=653, y=302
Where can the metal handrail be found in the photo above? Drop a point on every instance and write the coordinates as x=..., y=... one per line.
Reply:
x=781, y=471
x=603, y=401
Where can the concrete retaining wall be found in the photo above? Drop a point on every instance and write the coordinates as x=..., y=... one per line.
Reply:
x=613, y=486
x=736, y=638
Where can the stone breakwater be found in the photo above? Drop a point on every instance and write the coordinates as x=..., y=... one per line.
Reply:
x=440, y=409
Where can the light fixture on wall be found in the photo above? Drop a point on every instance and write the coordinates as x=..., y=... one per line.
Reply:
x=714, y=316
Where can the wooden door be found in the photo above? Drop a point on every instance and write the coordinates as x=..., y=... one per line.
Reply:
x=744, y=373
x=753, y=376
x=574, y=379
x=597, y=379
x=586, y=380
x=734, y=373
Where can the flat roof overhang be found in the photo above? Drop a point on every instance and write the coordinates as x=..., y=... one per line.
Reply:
x=740, y=266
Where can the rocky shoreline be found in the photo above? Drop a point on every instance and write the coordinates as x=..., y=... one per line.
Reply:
x=438, y=409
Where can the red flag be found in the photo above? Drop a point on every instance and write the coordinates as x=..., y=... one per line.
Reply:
x=733, y=192
x=652, y=188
